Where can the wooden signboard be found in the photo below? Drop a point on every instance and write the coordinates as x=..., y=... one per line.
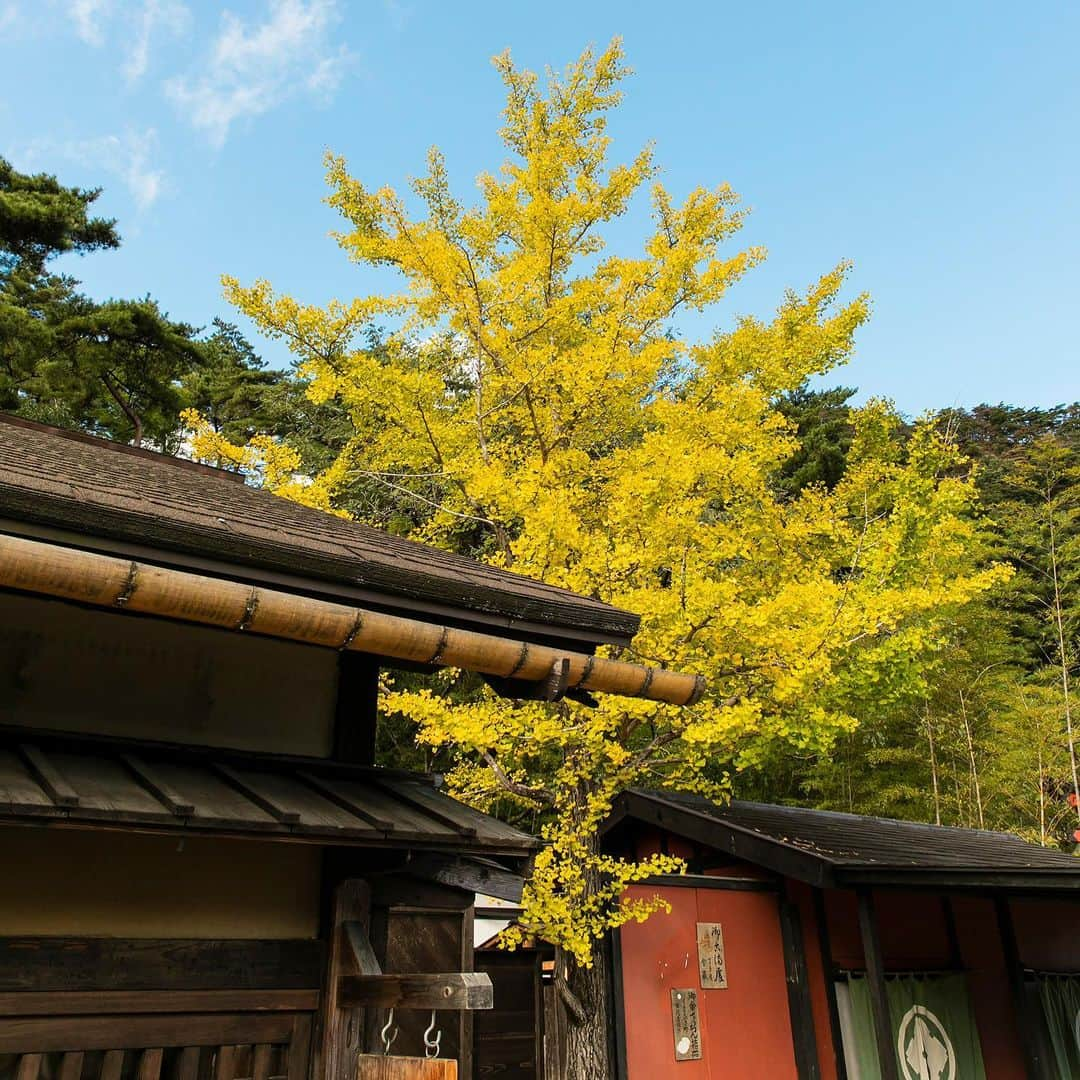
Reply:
x=712, y=967
x=382, y=1067
x=686, y=1025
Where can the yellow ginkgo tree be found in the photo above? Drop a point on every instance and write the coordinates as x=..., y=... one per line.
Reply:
x=537, y=401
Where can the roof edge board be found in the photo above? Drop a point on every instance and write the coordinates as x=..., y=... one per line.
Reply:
x=978, y=880
x=321, y=588
x=738, y=842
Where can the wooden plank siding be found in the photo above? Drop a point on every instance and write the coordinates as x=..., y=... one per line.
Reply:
x=44, y=964
x=194, y=1045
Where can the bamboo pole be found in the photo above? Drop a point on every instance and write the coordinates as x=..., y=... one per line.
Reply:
x=104, y=581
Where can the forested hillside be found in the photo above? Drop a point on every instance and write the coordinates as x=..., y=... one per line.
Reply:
x=979, y=732
x=989, y=741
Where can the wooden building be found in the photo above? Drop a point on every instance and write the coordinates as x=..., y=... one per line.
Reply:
x=203, y=872
x=803, y=944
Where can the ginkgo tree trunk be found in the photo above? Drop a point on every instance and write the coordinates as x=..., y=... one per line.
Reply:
x=537, y=397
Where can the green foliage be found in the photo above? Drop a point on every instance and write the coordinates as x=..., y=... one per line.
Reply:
x=985, y=739
x=122, y=368
x=230, y=384
x=40, y=218
x=823, y=424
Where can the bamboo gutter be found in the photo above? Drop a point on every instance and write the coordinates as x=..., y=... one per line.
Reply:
x=104, y=581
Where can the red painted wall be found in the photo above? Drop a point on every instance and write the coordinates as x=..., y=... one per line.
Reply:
x=745, y=1029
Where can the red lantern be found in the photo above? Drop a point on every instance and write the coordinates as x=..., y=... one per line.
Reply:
x=1076, y=835
x=1073, y=800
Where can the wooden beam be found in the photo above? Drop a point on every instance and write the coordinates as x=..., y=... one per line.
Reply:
x=469, y=874
x=452, y=990
x=47, y=775
x=158, y=786
x=363, y=955
x=875, y=975
x=403, y=792
x=120, y=1002
x=52, y=1033
x=1015, y=973
x=89, y=963
x=327, y=790
x=252, y=794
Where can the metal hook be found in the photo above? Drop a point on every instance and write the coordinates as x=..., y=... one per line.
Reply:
x=431, y=1046
x=384, y=1034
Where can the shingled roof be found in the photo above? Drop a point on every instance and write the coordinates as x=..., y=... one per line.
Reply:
x=835, y=850
x=96, y=489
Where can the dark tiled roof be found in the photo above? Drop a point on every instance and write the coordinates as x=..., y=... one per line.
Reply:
x=114, y=783
x=837, y=848
x=100, y=489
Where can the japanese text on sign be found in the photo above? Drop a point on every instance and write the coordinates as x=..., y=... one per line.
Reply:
x=686, y=1025
x=712, y=967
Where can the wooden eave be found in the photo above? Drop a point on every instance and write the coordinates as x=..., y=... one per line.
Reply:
x=106, y=493
x=784, y=854
x=57, y=779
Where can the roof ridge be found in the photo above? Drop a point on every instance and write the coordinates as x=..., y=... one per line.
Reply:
x=121, y=448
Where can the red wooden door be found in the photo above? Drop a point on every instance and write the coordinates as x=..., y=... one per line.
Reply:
x=745, y=1028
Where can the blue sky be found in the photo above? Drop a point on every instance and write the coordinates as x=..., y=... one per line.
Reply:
x=933, y=144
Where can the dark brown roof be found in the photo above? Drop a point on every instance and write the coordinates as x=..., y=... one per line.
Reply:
x=835, y=849
x=119, y=783
x=98, y=489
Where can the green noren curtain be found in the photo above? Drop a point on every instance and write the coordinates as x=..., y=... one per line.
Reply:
x=933, y=1029
x=1060, y=997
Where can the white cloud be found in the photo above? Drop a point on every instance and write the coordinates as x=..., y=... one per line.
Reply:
x=168, y=15
x=132, y=159
x=253, y=68
x=127, y=157
x=88, y=16
x=133, y=22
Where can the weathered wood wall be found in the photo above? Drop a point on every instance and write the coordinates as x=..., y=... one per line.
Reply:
x=153, y=679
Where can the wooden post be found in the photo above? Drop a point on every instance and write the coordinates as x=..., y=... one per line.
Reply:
x=875, y=974
x=357, y=708
x=619, y=1004
x=799, y=1008
x=343, y=1029
x=466, y=1034
x=828, y=973
x=956, y=958
x=1014, y=970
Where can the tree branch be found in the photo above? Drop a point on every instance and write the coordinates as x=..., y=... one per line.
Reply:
x=515, y=787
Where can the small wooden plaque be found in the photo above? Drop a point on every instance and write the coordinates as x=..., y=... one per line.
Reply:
x=712, y=967
x=381, y=1067
x=686, y=1025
